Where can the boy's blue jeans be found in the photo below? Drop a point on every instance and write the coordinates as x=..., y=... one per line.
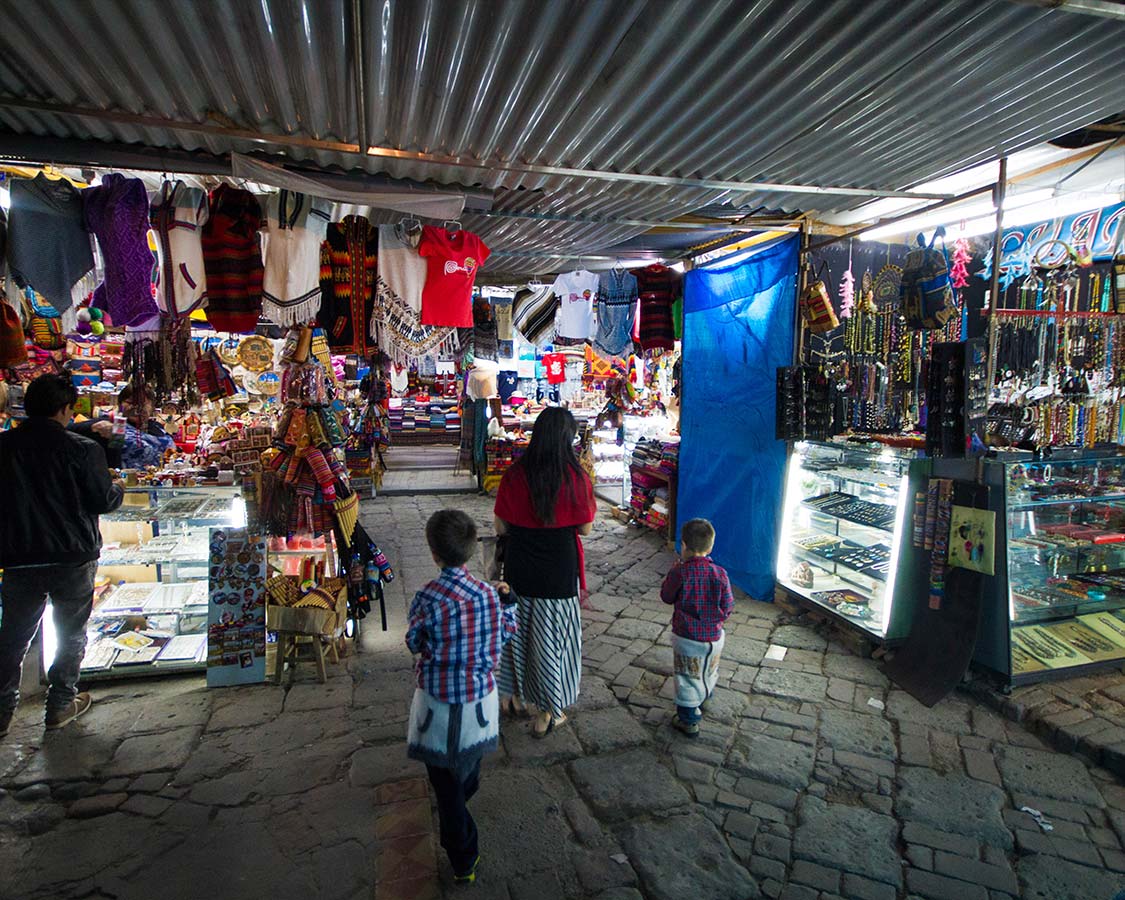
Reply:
x=689, y=715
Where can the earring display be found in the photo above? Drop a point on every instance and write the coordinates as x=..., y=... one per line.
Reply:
x=804, y=409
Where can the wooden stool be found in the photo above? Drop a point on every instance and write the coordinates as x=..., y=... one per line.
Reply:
x=288, y=646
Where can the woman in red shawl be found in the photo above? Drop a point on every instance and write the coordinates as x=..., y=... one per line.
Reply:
x=545, y=502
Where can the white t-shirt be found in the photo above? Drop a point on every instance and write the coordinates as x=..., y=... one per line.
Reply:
x=402, y=271
x=576, y=292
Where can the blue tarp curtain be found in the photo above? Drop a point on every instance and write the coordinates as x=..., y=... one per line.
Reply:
x=738, y=328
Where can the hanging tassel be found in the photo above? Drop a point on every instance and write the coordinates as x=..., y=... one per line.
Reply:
x=288, y=313
x=959, y=270
x=847, y=289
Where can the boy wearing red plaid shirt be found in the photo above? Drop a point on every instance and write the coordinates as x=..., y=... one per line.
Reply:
x=700, y=591
x=457, y=627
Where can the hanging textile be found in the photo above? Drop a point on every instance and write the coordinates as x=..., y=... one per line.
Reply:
x=177, y=215
x=48, y=245
x=295, y=228
x=402, y=271
x=659, y=286
x=738, y=329
x=116, y=212
x=348, y=261
x=576, y=291
x=232, y=256
x=533, y=313
x=453, y=259
x=617, y=306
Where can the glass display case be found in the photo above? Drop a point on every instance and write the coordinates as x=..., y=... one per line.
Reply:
x=1062, y=575
x=151, y=592
x=843, y=519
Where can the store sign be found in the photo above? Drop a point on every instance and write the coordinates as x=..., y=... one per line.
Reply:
x=1094, y=231
x=236, y=628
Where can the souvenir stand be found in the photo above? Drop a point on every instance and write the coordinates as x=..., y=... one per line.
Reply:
x=917, y=451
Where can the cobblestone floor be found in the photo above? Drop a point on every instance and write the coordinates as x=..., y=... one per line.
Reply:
x=813, y=778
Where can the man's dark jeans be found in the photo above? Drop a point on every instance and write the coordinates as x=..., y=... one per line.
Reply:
x=24, y=596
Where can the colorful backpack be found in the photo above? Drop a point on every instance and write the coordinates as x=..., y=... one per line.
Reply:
x=926, y=292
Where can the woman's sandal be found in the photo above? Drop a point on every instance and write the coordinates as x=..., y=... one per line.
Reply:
x=552, y=721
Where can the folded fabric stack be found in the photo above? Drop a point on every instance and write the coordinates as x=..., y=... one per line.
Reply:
x=647, y=454
x=670, y=457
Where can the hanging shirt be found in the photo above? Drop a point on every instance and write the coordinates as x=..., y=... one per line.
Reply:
x=117, y=213
x=402, y=271
x=348, y=263
x=48, y=245
x=453, y=261
x=555, y=364
x=525, y=366
x=617, y=307
x=177, y=215
x=576, y=292
x=659, y=286
x=232, y=257
x=399, y=379
x=506, y=383
x=295, y=229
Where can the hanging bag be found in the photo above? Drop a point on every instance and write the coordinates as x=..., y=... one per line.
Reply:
x=13, y=350
x=816, y=305
x=43, y=323
x=926, y=292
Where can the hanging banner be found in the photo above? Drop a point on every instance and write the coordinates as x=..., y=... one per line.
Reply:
x=236, y=630
x=1094, y=231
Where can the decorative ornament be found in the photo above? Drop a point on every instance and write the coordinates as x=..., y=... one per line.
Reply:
x=84, y=315
x=959, y=270
x=847, y=289
x=97, y=328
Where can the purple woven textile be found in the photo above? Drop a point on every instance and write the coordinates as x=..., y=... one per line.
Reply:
x=116, y=212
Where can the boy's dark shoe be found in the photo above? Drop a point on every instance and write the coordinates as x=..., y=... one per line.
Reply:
x=691, y=729
x=470, y=876
x=57, y=718
x=6, y=722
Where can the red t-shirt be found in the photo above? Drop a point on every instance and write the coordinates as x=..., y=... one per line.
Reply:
x=452, y=261
x=555, y=364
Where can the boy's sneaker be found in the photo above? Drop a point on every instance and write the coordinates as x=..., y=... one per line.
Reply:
x=6, y=722
x=470, y=876
x=57, y=718
x=691, y=729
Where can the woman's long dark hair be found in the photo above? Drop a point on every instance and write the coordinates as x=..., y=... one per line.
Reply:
x=550, y=462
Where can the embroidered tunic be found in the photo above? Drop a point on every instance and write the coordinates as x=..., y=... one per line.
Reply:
x=295, y=229
x=348, y=265
x=117, y=213
x=178, y=214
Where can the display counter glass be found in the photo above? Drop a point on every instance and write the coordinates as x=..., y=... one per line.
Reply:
x=151, y=592
x=843, y=518
x=1065, y=565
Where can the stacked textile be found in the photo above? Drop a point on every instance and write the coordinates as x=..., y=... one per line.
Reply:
x=670, y=457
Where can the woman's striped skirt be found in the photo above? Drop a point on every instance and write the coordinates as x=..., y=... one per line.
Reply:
x=542, y=663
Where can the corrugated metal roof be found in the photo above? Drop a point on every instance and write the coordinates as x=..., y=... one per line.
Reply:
x=880, y=94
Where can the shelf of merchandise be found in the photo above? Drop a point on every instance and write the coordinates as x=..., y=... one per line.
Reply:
x=180, y=564
x=1059, y=608
x=863, y=473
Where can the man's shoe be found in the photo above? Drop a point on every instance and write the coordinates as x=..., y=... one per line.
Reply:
x=6, y=722
x=470, y=876
x=691, y=729
x=57, y=718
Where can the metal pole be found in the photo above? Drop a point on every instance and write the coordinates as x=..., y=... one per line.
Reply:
x=994, y=287
x=358, y=74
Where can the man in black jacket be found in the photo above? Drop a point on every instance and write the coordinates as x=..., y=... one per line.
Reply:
x=55, y=485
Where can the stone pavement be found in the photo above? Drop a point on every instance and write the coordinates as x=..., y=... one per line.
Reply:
x=813, y=778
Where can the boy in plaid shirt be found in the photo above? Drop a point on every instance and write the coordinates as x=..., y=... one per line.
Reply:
x=457, y=627
x=700, y=591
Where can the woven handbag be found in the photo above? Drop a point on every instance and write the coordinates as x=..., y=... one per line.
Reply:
x=13, y=350
x=816, y=305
